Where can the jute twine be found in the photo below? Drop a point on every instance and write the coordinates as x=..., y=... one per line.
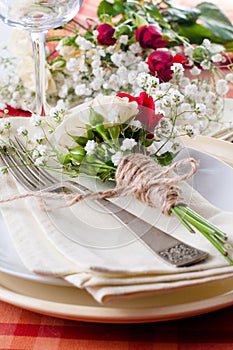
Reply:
x=136, y=175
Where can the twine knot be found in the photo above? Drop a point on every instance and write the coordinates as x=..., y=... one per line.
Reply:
x=149, y=183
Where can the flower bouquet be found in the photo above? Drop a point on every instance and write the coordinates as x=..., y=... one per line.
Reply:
x=105, y=57
x=106, y=140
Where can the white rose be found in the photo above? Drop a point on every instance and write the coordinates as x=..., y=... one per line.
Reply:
x=109, y=105
x=113, y=109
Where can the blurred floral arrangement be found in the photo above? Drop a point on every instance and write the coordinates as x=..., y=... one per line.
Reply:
x=130, y=40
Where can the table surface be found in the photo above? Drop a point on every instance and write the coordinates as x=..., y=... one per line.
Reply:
x=22, y=329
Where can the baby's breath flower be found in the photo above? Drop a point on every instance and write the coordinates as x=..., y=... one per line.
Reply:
x=136, y=124
x=90, y=147
x=116, y=158
x=177, y=69
x=22, y=131
x=217, y=58
x=222, y=87
x=205, y=64
x=195, y=71
x=124, y=39
x=229, y=77
x=41, y=160
x=128, y=144
x=36, y=120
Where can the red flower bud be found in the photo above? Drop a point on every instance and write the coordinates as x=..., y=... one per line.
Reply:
x=146, y=113
x=160, y=63
x=149, y=38
x=105, y=36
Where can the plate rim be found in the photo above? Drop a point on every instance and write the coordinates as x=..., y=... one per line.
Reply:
x=115, y=315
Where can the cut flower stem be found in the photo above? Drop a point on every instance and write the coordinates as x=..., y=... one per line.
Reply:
x=191, y=220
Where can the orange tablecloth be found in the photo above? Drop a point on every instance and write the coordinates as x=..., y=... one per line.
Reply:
x=25, y=330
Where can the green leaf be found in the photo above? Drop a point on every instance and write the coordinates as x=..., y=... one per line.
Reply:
x=63, y=158
x=139, y=21
x=123, y=30
x=77, y=153
x=81, y=140
x=182, y=15
x=107, y=8
x=114, y=132
x=165, y=158
x=216, y=21
x=196, y=33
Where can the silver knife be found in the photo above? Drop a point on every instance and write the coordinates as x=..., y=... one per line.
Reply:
x=168, y=248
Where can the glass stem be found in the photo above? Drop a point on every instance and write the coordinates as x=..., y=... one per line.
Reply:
x=38, y=45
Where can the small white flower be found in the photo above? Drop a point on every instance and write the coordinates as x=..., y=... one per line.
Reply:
x=142, y=79
x=72, y=64
x=205, y=64
x=222, y=87
x=116, y=58
x=195, y=71
x=90, y=147
x=177, y=69
x=128, y=144
x=22, y=131
x=124, y=39
x=206, y=43
x=191, y=90
x=83, y=43
x=38, y=137
x=35, y=120
x=200, y=108
x=95, y=34
x=42, y=160
x=190, y=130
x=5, y=124
x=229, y=77
x=136, y=124
x=135, y=48
x=116, y=158
x=177, y=97
x=217, y=58
x=80, y=89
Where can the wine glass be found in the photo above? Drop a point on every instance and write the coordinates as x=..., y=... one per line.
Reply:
x=38, y=16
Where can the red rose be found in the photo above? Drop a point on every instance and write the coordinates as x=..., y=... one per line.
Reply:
x=160, y=63
x=149, y=38
x=105, y=36
x=146, y=113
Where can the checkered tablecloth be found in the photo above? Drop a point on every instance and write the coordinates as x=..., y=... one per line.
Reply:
x=24, y=330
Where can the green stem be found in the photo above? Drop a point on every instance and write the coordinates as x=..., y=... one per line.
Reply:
x=214, y=235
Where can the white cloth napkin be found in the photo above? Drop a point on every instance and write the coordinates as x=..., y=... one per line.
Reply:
x=90, y=249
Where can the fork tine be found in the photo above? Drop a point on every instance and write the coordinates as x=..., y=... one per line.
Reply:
x=31, y=177
x=16, y=170
x=41, y=174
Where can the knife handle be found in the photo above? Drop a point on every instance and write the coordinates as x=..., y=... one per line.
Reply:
x=168, y=248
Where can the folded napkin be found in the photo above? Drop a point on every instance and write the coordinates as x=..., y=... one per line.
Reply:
x=91, y=250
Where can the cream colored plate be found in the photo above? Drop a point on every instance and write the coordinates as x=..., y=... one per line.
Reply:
x=75, y=304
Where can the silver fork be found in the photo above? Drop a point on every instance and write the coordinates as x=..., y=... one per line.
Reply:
x=164, y=245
